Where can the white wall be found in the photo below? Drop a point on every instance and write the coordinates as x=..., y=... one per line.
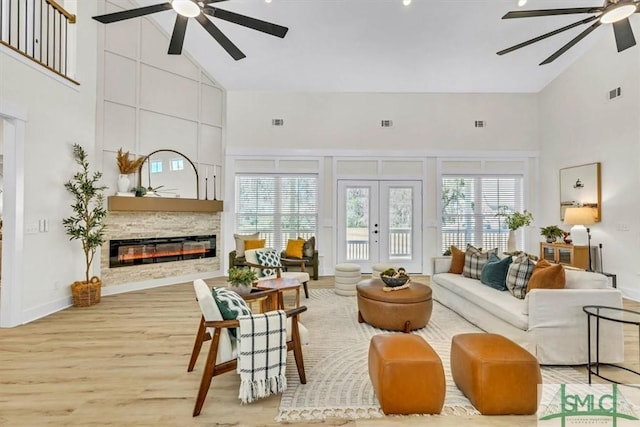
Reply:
x=579, y=125
x=352, y=121
x=344, y=128
x=59, y=114
x=149, y=100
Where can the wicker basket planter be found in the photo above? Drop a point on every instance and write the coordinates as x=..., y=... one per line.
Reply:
x=86, y=294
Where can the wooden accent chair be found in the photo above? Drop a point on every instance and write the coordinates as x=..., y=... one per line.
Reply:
x=251, y=260
x=223, y=352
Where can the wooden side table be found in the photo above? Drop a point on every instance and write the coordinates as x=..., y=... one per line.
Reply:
x=281, y=285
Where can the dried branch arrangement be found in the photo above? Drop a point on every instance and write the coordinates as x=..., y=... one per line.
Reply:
x=126, y=165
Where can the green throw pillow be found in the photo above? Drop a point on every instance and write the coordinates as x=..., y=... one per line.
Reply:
x=494, y=272
x=230, y=304
x=268, y=258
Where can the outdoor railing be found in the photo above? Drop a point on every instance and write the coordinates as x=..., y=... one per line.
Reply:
x=38, y=30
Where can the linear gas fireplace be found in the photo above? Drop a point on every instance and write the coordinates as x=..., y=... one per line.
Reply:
x=126, y=252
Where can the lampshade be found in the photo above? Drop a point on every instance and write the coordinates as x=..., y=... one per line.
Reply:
x=186, y=8
x=579, y=217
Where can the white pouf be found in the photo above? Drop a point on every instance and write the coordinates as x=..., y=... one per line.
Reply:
x=346, y=278
x=376, y=269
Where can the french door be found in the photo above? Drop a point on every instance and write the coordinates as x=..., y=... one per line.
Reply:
x=380, y=222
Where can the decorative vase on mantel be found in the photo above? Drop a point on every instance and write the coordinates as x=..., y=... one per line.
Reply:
x=124, y=183
x=512, y=242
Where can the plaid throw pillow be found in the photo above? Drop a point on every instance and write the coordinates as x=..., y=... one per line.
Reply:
x=230, y=304
x=268, y=258
x=518, y=276
x=474, y=261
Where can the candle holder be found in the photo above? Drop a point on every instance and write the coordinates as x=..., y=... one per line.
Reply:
x=214, y=187
x=206, y=188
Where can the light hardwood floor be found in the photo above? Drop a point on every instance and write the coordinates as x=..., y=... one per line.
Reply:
x=123, y=363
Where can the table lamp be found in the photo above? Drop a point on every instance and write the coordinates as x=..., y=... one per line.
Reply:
x=579, y=217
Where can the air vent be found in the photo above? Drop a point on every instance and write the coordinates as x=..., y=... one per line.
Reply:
x=386, y=123
x=480, y=124
x=615, y=93
x=277, y=122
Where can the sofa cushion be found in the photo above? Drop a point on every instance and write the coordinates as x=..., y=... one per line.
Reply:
x=499, y=303
x=546, y=276
x=474, y=261
x=580, y=279
x=240, y=238
x=457, y=260
x=295, y=248
x=518, y=276
x=494, y=272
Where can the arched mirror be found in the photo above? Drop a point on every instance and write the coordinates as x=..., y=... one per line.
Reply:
x=169, y=173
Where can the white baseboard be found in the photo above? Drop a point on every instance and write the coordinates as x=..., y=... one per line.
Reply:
x=630, y=294
x=60, y=304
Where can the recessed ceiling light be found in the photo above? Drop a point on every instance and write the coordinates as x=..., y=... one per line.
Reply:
x=186, y=8
x=406, y=2
x=522, y=2
x=267, y=1
x=618, y=13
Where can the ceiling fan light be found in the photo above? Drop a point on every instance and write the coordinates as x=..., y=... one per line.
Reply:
x=186, y=8
x=618, y=13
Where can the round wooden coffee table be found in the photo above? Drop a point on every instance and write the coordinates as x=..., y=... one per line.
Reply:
x=401, y=310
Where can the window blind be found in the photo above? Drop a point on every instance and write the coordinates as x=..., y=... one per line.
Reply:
x=470, y=208
x=280, y=207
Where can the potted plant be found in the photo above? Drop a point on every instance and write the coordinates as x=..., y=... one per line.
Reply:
x=241, y=279
x=513, y=221
x=552, y=232
x=126, y=166
x=86, y=224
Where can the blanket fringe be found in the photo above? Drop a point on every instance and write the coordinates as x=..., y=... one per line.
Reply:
x=257, y=389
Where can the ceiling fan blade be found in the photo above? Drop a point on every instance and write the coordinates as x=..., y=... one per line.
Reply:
x=571, y=43
x=220, y=38
x=547, y=35
x=624, y=34
x=246, y=21
x=132, y=13
x=551, y=12
x=177, y=38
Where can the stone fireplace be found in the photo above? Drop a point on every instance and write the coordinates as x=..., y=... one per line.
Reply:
x=165, y=229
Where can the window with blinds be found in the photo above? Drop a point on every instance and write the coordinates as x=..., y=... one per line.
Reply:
x=280, y=207
x=470, y=207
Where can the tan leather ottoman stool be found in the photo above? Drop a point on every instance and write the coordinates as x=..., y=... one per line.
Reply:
x=497, y=375
x=402, y=310
x=406, y=374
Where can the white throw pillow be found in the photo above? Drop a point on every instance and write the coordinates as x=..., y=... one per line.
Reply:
x=240, y=238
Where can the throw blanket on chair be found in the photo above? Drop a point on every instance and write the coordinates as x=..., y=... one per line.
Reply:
x=262, y=355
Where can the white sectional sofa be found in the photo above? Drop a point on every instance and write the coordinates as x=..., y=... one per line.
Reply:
x=549, y=323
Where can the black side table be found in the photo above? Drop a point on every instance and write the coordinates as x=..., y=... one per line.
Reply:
x=610, y=314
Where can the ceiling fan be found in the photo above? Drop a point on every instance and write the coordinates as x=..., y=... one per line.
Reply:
x=616, y=12
x=198, y=9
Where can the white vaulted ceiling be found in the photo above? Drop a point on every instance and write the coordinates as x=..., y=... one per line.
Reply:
x=383, y=46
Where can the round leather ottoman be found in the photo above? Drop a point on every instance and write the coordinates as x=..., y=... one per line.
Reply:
x=401, y=310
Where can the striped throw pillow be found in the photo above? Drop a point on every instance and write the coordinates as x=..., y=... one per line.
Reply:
x=474, y=261
x=518, y=276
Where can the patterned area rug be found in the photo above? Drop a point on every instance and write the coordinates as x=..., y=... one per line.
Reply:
x=338, y=384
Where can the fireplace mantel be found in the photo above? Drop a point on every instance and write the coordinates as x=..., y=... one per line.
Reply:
x=162, y=204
